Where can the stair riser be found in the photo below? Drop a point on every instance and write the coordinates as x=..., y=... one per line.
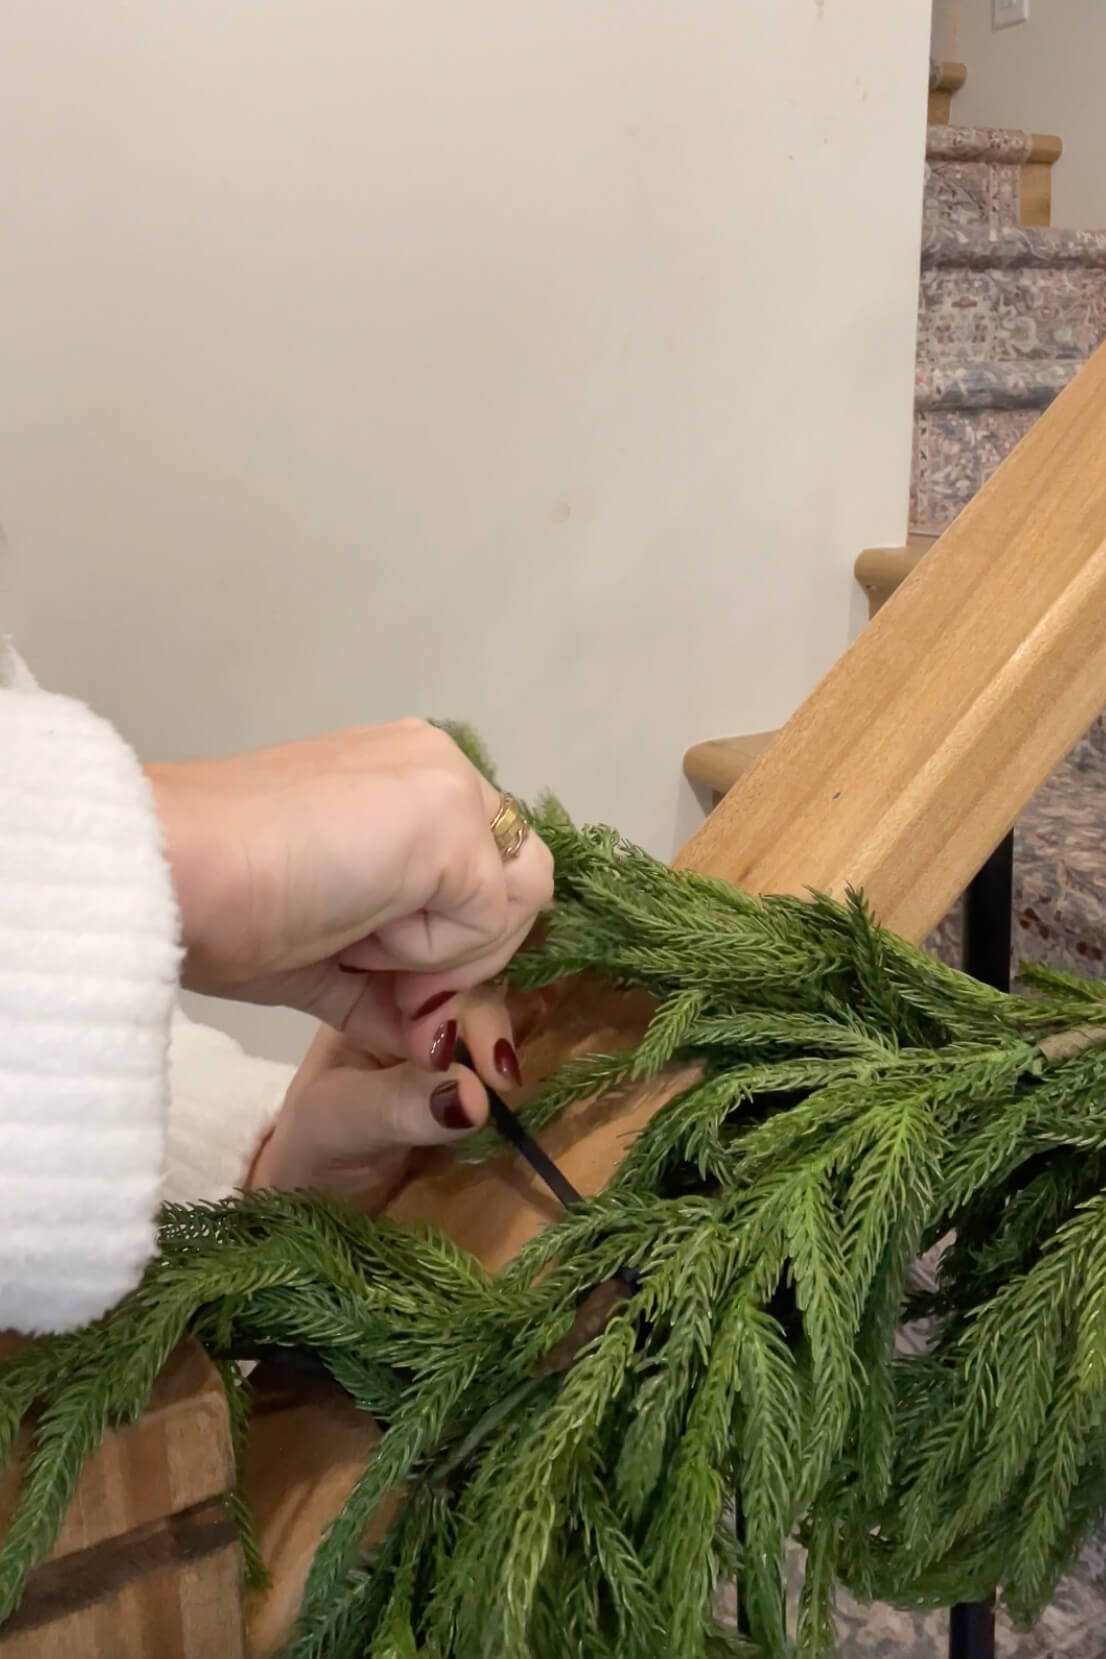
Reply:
x=1036, y=312
x=979, y=195
x=955, y=452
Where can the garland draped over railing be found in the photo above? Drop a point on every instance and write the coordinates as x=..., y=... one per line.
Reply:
x=569, y=1442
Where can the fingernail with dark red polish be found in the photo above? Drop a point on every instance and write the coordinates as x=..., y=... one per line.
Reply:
x=506, y=1062
x=444, y=1046
x=435, y=1002
x=445, y=1103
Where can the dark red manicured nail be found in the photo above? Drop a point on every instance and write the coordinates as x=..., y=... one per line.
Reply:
x=435, y=1002
x=445, y=1103
x=444, y=1046
x=506, y=1062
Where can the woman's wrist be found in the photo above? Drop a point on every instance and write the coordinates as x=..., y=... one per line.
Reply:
x=195, y=865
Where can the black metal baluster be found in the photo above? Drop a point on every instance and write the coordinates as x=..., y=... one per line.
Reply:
x=988, y=919
x=739, y=1529
x=985, y=954
x=972, y=1630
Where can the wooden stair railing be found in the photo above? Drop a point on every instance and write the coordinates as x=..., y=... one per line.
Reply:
x=917, y=752
x=901, y=772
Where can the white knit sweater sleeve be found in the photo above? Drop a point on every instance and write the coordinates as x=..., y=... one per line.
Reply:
x=223, y=1102
x=89, y=958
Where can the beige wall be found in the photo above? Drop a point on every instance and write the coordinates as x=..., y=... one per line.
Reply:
x=1047, y=75
x=545, y=364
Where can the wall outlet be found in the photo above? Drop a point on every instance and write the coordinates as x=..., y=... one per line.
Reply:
x=1005, y=13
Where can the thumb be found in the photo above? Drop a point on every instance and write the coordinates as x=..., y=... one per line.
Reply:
x=409, y=1106
x=353, y=1132
x=348, y=1116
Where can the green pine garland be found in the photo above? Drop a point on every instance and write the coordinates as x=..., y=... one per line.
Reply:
x=568, y=1451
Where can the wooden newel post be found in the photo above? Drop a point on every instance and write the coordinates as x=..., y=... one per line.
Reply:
x=902, y=771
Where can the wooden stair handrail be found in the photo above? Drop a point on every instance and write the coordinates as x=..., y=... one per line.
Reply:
x=920, y=748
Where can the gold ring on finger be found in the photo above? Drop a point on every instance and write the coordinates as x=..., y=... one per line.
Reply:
x=509, y=828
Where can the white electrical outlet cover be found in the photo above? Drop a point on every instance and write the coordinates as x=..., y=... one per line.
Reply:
x=1005, y=13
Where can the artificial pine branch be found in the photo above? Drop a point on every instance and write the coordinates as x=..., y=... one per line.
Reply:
x=566, y=1452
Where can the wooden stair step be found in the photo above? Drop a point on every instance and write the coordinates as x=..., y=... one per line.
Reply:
x=1003, y=173
x=945, y=80
x=880, y=570
x=717, y=763
x=1002, y=146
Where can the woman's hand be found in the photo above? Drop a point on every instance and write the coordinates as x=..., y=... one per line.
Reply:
x=353, y=1123
x=368, y=850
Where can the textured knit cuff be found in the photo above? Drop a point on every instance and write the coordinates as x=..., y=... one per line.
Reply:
x=88, y=970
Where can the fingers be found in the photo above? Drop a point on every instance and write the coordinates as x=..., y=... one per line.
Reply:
x=365, y=1025
x=486, y=1027
x=373, y=1020
x=479, y=1018
x=489, y=1020
x=407, y=1106
x=329, y=1049
x=373, y=846
x=415, y=991
x=473, y=932
x=353, y=1131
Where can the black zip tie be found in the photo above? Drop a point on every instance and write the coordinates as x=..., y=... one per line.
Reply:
x=512, y=1131
x=539, y=1160
x=517, y=1137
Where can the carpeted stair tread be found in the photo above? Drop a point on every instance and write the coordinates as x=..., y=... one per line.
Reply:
x=1003, y=146
x=1015, y=246
x=1003, y=383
